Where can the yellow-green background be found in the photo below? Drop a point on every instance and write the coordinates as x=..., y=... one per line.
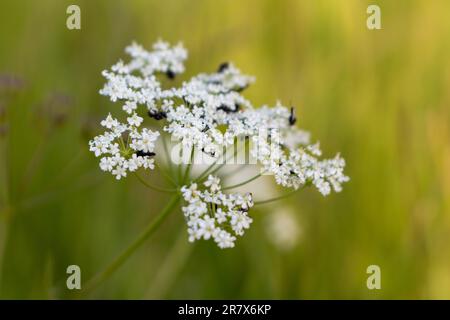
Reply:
x=379, y=97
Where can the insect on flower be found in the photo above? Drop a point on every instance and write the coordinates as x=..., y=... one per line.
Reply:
x=292, y=118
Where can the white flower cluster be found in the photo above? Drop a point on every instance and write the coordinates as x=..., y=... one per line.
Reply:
x=136, y=81
x=212, y=214
x=123, y=147
x=210, y=101
x=207, y=113
x=285, y=151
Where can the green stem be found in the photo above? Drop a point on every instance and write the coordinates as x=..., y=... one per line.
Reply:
x=214, y=171
x=166, y=151
x=122, y=258
x=204, y=173
x=244, y=182
x=280, y=197
x=238, y=169
x=188, y=167
x=180, y=173
x=170, y=268
x=166, y=175
x=160, y=189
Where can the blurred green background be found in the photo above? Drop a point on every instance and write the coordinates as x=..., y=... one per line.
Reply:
x=379, y=97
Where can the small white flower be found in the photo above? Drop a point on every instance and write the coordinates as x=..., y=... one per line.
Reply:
x=99, y=147
x=114, y=148
x=190, y=193
x=224, y=240
x=129, y=106
x=213, y=183
x=148, y=163
x=207, y=227
x=239, y=222
x=145, y=141
x=119, y=172
x=220, y=216
x=246, y=202
x=109, y=122
x=134, y=162
x=135, y=120
x=107, y=164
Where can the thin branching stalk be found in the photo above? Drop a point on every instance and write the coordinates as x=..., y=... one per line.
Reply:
x=235, y=171
x=170, y=268
x=188, y=167
x=204, y=173
x=156, y=188
x=244, y=182
x=180, y=174
x=167, y=154
x=280, y=197
x=166, y=175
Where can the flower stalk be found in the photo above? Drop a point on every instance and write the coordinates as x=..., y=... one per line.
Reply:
x=122, y=258
x=244, y=182
x=156, y=188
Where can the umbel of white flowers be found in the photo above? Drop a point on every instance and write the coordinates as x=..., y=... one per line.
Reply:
x=205, y=114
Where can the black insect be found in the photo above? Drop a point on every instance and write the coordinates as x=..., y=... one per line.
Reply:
x=216, y=82
x=223, y=66
x=227, y=109
x=206, y=128
x=157, y=115
x=212, y=154
x=170, y=74
x=292, y=118
x=145, y=154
